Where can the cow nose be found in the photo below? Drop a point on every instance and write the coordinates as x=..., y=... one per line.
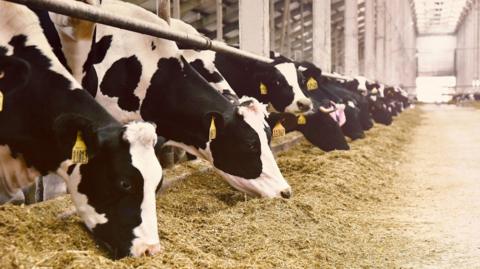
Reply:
x=287, y=193
x=304, y=104
x=152, y=250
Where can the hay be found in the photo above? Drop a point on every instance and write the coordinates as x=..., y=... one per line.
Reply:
x=204, y=223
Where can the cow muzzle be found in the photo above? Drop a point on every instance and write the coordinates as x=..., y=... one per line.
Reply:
x=143, y=249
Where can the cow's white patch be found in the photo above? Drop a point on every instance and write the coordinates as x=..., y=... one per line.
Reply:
x=302, y=69
x=351, y=104
x=206, y=56
x=88, y=214
x=289, y=71
x=142, y=137
x=362, y=83
x=373, y=97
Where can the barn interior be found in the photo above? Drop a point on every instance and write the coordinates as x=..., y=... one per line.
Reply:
x=403, y=196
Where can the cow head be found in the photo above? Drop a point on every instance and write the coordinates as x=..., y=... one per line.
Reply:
x=300, y=102
x=320, y=128
x=114, y=192
x=255, y=171
x=239, y=150
x=352, y=127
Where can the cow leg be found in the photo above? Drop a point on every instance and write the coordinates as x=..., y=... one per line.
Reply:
x=166, y=157
x=53, y=186
x=39, y=187
x=29, y=194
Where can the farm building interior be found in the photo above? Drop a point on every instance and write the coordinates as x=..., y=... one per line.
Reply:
x=239, y=133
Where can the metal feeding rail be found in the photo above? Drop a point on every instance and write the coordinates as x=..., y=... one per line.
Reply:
x=98, y=15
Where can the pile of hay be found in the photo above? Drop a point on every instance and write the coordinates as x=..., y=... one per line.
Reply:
x=204, y=223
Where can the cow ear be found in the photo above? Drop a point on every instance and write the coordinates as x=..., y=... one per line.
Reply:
x=67, y=126
x=14, y=73
x=214, y=121
x=288, y=120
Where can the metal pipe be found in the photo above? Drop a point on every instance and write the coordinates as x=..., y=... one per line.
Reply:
x=96, y=14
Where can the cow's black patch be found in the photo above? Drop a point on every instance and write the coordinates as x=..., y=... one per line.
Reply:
x=70, y=169
x=98, y=51
x=245, y=77
x=51, y=34
x=120, y=80
x=153, y=46
x=214, y=77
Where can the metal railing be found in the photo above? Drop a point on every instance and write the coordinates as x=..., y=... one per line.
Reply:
x=98, y=15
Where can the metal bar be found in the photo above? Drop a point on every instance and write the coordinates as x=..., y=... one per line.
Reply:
x=219, y=20
x=95, y=14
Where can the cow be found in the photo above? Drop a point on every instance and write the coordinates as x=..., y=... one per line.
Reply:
x=325, y=91
x=350, y=90
x=141, y=77
x=319, y=129
x=112, y=171
x=377, y=104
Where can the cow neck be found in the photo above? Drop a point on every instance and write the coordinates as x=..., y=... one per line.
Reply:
x=32, y=111
x=240, y=75
x=179, y=101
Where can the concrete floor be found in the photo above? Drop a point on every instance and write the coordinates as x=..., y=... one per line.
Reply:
x=439, y=210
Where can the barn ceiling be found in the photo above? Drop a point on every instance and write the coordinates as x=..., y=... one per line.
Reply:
x=439, y=16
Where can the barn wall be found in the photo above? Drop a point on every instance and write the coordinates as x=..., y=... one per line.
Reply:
x=467, y=56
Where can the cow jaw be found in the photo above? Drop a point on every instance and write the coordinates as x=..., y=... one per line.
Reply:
x=300, y=102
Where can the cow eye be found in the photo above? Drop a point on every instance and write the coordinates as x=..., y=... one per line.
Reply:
x=125, y=185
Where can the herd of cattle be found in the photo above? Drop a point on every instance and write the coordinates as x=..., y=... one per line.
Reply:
x=93, y=104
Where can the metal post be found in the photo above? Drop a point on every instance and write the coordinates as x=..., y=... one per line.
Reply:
x=351, y=62
x=369, y=45
x=380, y=40
x=322, y=46
x=302, y=21
x=254, y=26
x=219, y=20
x=272, y=25
x=176, y=9
x=285, y=19
x=163, y=9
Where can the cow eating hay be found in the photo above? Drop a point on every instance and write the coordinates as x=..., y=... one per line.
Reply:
x=206, y=224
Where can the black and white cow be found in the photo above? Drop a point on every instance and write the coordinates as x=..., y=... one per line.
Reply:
x=320, y=130
x=350, y=91
x=140, y=77
x=377, y=104
x=326, y=91
x=44, y=110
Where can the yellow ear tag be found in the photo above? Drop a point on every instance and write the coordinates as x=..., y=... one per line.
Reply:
x=278, y=130
x=312, y=84
x=263, y=89
x=301, y=120
x=79, y=151
x=212, y=134
x=1, y=101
